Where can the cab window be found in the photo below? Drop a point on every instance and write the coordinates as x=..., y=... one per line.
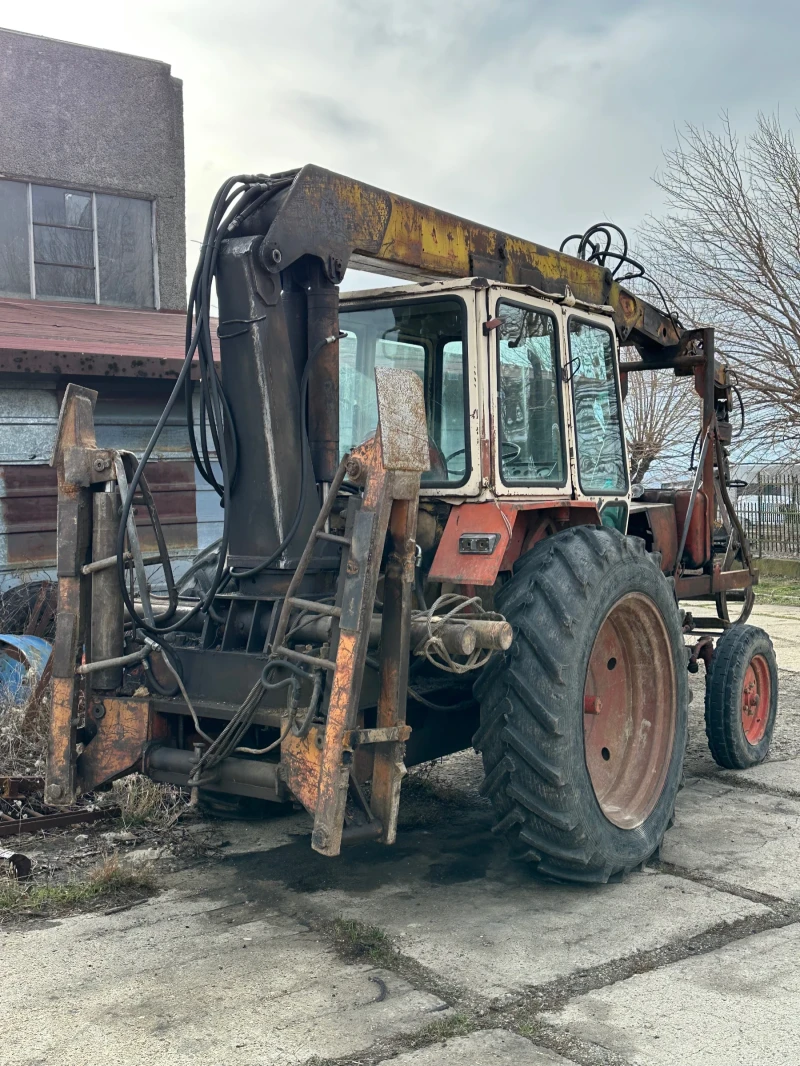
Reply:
x=529, y=397
x=428, y=337
x=598, y=421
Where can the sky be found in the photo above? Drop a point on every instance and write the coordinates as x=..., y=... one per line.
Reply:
x=536, y=118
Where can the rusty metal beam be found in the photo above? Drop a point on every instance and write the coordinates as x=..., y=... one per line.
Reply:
x=344, y=222
x=56, y=821
x=75, y=433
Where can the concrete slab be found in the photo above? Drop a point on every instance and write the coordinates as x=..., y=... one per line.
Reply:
x=736, y=1006
x=745, y=838
x=490, y=1047
x=455, y=903
x=783, y=625
x=781, y=775
x=184, y=981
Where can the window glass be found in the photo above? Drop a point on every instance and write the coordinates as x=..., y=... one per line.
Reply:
x=83, y=245
x=125, y=251
x=426, y=337
x=15, y=279
x=61, y=207
x=598, y=429
x=64, y=283
x=615, y=515
x=63, y=244
x=63, y=247
x=531, y=442
x=450, y=408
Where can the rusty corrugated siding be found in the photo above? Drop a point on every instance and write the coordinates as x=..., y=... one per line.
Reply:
x=125, y=415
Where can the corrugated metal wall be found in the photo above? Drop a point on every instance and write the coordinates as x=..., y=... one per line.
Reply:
x=126, y=413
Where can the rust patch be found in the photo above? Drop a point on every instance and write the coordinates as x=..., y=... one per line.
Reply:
x=124, y=727
x=301, y=761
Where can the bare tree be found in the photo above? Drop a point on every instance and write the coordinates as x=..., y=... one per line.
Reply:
x=727, y=251
x=661, y=414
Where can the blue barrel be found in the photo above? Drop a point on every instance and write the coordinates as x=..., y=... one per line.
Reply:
x=22, y=662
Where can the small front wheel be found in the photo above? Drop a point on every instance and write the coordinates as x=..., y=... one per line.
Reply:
x=741, y=698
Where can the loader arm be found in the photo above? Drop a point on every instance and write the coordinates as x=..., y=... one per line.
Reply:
x=343, y=222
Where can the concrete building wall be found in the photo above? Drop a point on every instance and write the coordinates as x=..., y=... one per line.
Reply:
x=101, y=121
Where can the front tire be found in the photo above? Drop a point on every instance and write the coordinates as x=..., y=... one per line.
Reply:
x=584, y=720
x=741, y=698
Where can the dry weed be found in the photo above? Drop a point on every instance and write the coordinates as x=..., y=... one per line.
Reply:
x=147, y=803
x=109, y=883
x=23, y=738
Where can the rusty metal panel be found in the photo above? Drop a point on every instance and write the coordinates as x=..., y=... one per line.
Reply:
x=46, y=338
x=401, y=417
x=489, y=517
x=124, y=727
x=698, y=547
x=301, y=761
x=28, y=506
x=664, y=526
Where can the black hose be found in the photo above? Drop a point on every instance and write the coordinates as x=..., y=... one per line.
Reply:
x=231, y=203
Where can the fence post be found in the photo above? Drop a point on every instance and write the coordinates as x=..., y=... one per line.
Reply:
x=760, y=505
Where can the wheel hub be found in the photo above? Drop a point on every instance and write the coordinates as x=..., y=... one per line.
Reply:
x=756, y=699
x=630, y=710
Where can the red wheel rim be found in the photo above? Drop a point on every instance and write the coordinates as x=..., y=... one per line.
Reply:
x=630, y=710
x=756, y=693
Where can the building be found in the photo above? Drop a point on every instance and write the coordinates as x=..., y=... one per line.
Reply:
x=92, y=279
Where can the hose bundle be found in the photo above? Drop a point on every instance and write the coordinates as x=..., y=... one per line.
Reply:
x=236, y=200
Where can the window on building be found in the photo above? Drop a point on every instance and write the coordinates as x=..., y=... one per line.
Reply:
x=64, y=244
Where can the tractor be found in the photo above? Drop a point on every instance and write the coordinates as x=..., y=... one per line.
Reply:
x=430, y=540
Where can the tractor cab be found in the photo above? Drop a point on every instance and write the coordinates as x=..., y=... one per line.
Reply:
x=522, y=392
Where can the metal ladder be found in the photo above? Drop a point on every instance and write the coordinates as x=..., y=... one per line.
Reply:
x=388, y=467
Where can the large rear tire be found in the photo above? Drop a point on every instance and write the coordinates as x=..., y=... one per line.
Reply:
x=584, y=720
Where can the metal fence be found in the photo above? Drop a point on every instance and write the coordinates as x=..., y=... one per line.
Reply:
x=769, y=510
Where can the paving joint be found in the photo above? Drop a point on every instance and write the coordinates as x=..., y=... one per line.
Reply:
x=775, y=903
x=745, y=785
x=520, y=1013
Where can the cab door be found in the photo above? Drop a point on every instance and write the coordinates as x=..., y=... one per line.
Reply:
x=529, y=399
x=600, y=462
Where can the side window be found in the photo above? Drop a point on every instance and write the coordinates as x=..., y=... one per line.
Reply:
x=64, y=244
x=448, y=414
x=598, y=421
x=528, y=384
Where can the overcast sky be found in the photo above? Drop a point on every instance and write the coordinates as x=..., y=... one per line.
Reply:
x=538, y=118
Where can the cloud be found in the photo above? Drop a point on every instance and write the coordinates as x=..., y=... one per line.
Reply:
x=535, y=117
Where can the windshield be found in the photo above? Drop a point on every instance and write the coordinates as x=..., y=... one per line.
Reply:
x=428, y=337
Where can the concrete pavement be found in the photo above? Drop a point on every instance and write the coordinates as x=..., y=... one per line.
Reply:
x=441, y=950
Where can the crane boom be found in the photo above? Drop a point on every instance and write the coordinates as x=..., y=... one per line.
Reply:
x=343, y=222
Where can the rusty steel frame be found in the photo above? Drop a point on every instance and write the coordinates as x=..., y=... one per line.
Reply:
x=38, y=822
x=319, y=768
x=340, y=221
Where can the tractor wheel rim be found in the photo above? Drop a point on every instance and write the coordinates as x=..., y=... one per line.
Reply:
x=630, y=710
x=756, y=699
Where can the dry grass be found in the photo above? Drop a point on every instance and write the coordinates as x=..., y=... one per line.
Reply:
x=146, y=803
x=110, y=883
x=23, y=738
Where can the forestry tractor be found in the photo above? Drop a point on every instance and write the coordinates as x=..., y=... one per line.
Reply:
x=430, y=540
